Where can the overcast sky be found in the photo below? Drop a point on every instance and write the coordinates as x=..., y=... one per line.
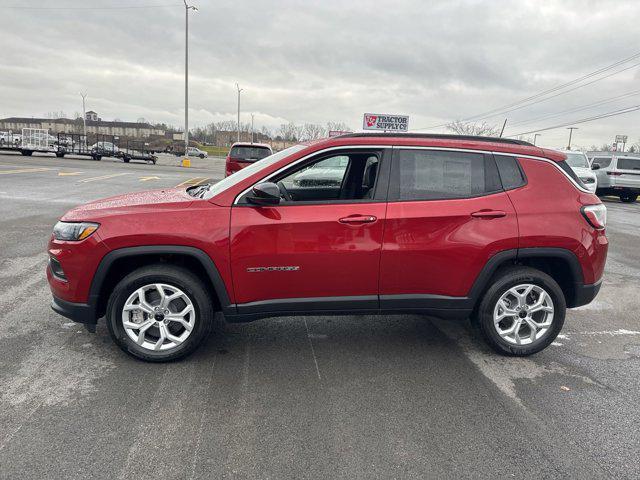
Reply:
x=318, y=61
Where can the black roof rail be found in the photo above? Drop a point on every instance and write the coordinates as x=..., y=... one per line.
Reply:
x=441, y=136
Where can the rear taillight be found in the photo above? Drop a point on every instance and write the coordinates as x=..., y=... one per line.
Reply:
x=614, y=174
x=596, y=215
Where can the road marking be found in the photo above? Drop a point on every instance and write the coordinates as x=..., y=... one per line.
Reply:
x=103, y=177
x=24, y=170
x=192, y=182
x=146, y=179
x=313, y=352
x=67, y=174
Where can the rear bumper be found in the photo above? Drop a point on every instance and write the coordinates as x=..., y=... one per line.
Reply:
x=584, y=294
x=78, y=312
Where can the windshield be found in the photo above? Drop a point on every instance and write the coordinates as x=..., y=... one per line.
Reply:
x=246, y=172
x=576, y=159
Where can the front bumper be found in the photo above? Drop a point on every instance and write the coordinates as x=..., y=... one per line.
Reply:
x=78, y=312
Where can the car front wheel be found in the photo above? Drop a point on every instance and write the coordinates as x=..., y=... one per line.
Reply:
x=522, y=312
x=159, y=313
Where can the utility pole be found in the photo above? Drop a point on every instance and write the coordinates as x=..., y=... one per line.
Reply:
x=571, y=129
x=186, y=73
x=535, y=137
x=84, y=117
x=239, y=90
x=252, y=128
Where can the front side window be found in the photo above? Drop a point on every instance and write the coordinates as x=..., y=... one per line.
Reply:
x=432, y=175
x=336, y=177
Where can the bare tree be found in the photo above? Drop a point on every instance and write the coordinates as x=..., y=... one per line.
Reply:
x=473, y=128
x=313, y=131
x=338, y=127
x=288, y=132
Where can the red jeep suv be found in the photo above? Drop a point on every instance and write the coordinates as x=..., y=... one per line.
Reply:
x=453, y=227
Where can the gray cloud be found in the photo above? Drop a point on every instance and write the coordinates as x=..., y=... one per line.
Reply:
x=321, y=61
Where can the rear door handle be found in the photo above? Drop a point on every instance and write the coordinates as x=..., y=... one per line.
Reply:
x=489, y=214
x=358, y=219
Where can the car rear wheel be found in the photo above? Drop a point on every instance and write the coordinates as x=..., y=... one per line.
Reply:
x=628, y=197
x=159, y=313
x=522, y=312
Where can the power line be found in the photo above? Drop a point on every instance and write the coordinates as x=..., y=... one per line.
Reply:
x=578, y=109
x=559, y=87
x=528, y=101
x=614, y=113
x=123, y=7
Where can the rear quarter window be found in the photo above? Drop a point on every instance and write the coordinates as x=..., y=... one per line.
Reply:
x=510, y=171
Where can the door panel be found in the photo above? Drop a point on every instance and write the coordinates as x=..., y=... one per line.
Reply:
x=302, y=251
x=438, y=247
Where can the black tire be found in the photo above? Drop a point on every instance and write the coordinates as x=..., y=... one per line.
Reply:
x=504, y=281
x=26, y=153
x=60, y=155
x=172, y=276
x=628, y=197
x=201, y=155
x=126, y=159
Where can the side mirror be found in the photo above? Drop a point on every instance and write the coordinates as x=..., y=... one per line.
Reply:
x=595, y=166
x=266, y=193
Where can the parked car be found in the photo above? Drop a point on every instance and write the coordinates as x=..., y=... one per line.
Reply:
x=243, y=154
x=579, y=162
x=618, y=174
x=442, y=225
x=10, y=139
x=104, y=148
x=196, y=152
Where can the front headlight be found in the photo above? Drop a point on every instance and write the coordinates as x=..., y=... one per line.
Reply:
x=74, y=231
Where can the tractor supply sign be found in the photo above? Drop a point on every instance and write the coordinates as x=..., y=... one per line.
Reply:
x=388, y=123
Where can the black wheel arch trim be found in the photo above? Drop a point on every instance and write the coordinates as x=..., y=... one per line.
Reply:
x=205, y=260
x=515, y=254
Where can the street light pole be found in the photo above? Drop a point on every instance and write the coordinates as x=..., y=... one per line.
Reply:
x=571, y=129
x=252, y=128
x=84, y=117
x=186, y=73
x=535, y=137
x=239, y=90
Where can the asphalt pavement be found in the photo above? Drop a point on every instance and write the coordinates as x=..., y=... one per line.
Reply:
x=400, y=396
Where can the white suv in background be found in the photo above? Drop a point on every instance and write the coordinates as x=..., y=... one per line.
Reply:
x=579, y=163
x=618, y=174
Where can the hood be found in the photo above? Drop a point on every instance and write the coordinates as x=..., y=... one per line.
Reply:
x=170, y=199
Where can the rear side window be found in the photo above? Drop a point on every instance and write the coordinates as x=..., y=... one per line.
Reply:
x=629, y=163
x=431, y=175
x=510, y=172
x=250, y=153
x=604, y=162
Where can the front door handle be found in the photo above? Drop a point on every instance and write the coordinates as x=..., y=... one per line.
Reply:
x=489, y=214
x=358, y=219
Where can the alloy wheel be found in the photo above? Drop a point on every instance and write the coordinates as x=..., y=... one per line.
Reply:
x=523, y=314
x=158, y=316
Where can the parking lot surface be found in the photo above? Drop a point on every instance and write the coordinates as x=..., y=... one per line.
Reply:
x=401, y=396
